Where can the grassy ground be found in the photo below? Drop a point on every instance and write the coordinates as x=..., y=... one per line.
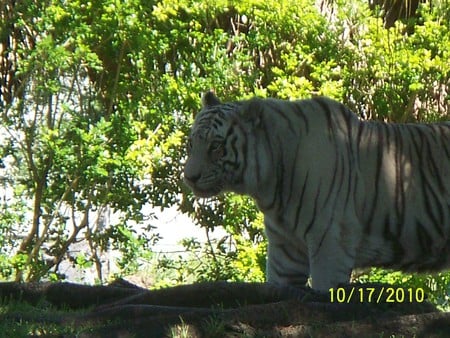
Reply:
x=24, y=320
x=138, y=316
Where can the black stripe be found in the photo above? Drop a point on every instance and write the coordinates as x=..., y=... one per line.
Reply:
x=299, y=111
x=352, y=153
x=244, y=152
x=277, y=106
x=300, y=202
x=343, y=176
x=292, y=255
x=427, y=184
x=387, y=233
x=294, y=278
x=399, y=178
x=326, y=109
x=361, y=131
x=348, y=117
x=374, y=200
x=394, y=240
x=333, y=180
x=424, y=238
x=293, y=174
x=272, y=161
x=255, y=159
x=280, y=175
x=435, y=171
x=314, y=214
x=444, y=130
x=386, y=128
x=416, y=136
x=429, y=204
x=330, y=224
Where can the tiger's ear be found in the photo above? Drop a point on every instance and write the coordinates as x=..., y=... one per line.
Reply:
x=210, y=100
x=251, y=111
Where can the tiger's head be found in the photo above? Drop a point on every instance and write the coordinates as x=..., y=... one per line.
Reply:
x=216, y=149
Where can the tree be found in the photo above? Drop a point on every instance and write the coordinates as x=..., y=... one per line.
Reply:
x=66, y=142
x=396, y=10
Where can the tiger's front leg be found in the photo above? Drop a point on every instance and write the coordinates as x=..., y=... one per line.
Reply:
x=286, y=264
x=331, y=259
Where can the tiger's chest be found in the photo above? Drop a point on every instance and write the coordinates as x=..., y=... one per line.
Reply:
x=281, y=230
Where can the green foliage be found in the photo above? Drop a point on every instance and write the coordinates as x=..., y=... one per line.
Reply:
x=95, y=117
x=436, y=287
x=399, y=76
x=70, y=129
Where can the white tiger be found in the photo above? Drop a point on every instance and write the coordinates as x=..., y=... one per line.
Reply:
x=336, y=192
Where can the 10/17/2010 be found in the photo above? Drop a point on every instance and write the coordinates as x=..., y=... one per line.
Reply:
x=376, y=295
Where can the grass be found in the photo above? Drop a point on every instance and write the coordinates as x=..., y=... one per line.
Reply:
x=180, y=330
x=19, y=319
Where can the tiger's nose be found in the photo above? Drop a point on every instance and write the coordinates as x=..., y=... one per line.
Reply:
x=191, y=178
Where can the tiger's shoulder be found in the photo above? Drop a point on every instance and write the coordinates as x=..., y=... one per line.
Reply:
x=312, y=113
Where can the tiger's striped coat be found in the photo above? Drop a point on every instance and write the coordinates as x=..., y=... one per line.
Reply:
x=336, y=192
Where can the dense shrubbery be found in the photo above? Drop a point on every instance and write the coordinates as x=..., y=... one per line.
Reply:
x=97, y=99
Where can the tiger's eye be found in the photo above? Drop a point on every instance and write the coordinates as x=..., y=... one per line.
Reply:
x=189, y=146
x=217, y=150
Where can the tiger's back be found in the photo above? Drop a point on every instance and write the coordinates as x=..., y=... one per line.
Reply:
x=406, y=210
x=336, y=192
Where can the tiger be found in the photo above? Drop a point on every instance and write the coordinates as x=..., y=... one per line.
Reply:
x=337, y=192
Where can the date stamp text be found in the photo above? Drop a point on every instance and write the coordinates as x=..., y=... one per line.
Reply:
x=376, y=295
